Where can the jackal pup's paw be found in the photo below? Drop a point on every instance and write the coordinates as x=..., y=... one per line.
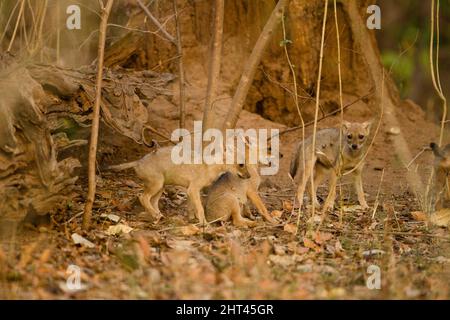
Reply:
x=245, y=223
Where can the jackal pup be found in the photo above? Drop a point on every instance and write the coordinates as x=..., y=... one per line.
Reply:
x=228, y=196
x=328, y=161
x=441, y=171
x=157, y=170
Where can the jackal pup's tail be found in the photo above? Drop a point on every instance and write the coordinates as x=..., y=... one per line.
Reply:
x=123, y=166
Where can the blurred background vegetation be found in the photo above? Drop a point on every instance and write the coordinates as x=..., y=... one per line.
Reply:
x=404, y=42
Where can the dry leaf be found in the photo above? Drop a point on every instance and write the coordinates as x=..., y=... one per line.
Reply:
x=188, y=230
x=112, y=217
x=45, y=256
x=419, y=215
x=77, y=239
x=118, y=229
x=373, y=252
x=279, y=250
x=310, y=244
x=105, y=194
x=322, y=237
x=291, y=228
x=284, y=261
x=287, y=205
x=277, y=213
x=144, y=246
x=130, y=183
x=338, y=247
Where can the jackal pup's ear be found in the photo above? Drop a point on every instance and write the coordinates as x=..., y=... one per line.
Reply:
x=345, y=125
x=367, y=125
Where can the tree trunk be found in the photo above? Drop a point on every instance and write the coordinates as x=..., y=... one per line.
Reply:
x=215, y=60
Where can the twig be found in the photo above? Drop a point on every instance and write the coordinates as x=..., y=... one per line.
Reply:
x=316, y=113
x=375, y=205
x=417, y=155
x=214, y=64
x=295, y=96
x=341, y=105
x=180, y=67
x=151, y=129
x=19, y=16
x=435, y=74
x=156, y=22
x=399, y=233
x=105, y=11
x=9, y=21
x=328, y=114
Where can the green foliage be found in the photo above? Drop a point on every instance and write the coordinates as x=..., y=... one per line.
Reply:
x=402, y=68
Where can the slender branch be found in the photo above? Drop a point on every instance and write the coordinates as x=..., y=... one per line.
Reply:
x=341, y=103
x=11, y=15
x=295, y=96
x=156, y=22
x=19, y=16
x=316, y=113
x=214, y=64
x=96, y=116
x=328, y=114
x=435, y=73
x=180, y=67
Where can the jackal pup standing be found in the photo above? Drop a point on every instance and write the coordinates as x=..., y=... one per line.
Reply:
x=441, y=188
x=158, y=170
x=328, y=160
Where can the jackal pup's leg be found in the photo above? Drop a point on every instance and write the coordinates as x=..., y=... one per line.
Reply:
x=193, y=193
x=152, y=189
x=359, y=187
x=236, y=215
x=329, y=201
x=319, y=175
x=306, y=174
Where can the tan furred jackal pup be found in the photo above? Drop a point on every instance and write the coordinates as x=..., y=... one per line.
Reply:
x=228, y=196
x=328, y=162
x=441, y=171
x=157, y=170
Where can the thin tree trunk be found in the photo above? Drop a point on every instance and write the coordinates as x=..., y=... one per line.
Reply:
x=215, y=60
x=105, y=11
x=251, y=65
x=180, y=66
x=316, y=113
x=361, y=37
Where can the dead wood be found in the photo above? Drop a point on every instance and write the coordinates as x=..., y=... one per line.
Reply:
x=30, y=174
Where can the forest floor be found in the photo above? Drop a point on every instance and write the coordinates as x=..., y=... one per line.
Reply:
x=177, y=260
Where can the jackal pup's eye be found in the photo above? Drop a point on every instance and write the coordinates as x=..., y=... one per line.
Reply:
x=349, y=136
x=361, y=136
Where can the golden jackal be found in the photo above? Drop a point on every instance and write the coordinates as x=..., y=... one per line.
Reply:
x=328, y=160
